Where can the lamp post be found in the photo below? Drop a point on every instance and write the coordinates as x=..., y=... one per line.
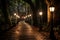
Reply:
x=52, y=36
x=17, y=16
x=40, y=14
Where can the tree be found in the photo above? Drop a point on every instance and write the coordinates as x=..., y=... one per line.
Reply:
x=5, y=7
x=35, y=5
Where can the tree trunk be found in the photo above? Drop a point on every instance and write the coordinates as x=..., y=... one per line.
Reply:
x=7, y=24
x=35, y=21
x=4, y=10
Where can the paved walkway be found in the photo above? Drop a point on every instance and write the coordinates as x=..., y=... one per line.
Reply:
x=22, y=31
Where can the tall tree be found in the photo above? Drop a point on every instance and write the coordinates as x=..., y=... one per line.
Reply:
x=4, y=10
x=8, y=6
x=35, y=5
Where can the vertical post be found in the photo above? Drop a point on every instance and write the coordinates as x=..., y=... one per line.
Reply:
x=41, y=13
x=52, y=36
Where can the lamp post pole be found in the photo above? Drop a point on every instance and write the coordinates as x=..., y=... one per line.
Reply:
x=40, y=13
x=52, y=36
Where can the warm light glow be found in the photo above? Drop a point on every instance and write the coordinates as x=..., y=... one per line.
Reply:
x=52, y=9
x=40, y=13
x=24, y=17
x=15, y=14
x=17, y=32
x=29, y=15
